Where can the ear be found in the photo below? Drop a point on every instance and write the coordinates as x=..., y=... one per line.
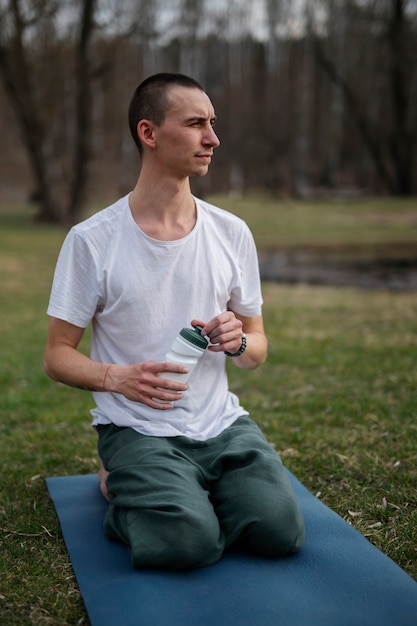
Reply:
x=146, y=133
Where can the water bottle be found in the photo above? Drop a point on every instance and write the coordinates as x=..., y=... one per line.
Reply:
x=187, y=348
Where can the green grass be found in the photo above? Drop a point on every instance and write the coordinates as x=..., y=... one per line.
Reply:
x=352, y=224
x=337, y=398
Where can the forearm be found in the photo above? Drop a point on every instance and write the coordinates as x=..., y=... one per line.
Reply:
x=71, y=367
x=139, y=382
x=255, y=353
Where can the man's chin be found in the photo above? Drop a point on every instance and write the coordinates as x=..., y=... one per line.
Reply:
x=200, y=172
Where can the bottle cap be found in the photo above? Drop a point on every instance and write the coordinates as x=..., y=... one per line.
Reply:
x=193, y=335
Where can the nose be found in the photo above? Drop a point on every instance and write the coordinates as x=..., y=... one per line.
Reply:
x=210, y=138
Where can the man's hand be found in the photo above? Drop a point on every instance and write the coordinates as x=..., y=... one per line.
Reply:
x=224, y=331
x=141, y=383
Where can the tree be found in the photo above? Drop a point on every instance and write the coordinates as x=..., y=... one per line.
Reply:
x=30, y=42
x=295, y=107
x=82, y=108
x=390, y=41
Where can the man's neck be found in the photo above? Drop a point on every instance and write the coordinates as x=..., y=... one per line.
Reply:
x=164, y=211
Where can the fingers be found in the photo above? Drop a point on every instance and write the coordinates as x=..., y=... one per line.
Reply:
x=224, y=332
x=195, y=323
x=161, y=392
x=141, y=383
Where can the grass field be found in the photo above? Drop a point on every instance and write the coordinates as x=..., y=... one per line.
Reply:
x=337, y=397
x=327, y=222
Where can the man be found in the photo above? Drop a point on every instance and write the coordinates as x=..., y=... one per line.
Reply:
x=186, y=472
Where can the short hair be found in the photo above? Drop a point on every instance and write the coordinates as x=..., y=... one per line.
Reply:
x=150, y=100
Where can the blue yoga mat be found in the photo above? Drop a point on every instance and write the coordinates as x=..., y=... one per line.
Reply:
x=338, y=579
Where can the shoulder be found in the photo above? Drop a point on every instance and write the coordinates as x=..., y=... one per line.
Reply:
x=220, y=217
x=224, y=226
x=100, y=232
x=106, y=221
x=94, y=237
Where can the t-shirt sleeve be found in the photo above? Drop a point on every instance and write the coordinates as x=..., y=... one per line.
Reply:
x=75, y=292
x=246, y=296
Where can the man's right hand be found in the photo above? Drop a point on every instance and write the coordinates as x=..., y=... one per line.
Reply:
x=141, y=383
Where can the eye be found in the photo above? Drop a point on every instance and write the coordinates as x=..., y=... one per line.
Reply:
x=195, y=122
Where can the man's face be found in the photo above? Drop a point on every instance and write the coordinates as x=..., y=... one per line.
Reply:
x=186, y=139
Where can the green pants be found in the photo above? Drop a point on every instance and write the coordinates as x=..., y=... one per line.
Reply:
x=179, y=503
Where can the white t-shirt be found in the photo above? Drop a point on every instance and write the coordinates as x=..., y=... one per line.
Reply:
x=139, y=292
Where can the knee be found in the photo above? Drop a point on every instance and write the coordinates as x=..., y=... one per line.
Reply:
x=172, y=542
x=279, y=536
x=192, y=542
x=195, y=546
x=289, y=539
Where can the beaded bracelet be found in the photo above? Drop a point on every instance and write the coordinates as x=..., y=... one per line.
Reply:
x=241, y=349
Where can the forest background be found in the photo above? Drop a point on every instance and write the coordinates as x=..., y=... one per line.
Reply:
x=313, y=98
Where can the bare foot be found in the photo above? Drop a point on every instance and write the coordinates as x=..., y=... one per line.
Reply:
x=102, y=476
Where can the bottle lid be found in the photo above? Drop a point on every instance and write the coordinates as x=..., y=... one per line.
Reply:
x=193, y=335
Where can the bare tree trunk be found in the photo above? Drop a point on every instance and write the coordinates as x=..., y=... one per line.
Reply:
x=303, y=130
x=358, y=116
x=401, y=144
x=192, y=16
x=15, y=75
x=20, y=76
x=336, y=105
x=393, y=162
x=83, y=111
